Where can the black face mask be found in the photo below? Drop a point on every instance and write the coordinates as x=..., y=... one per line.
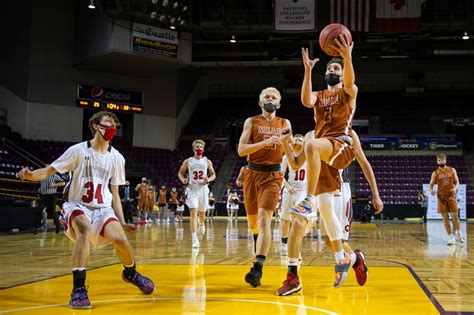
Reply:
x=269, y=107
x=442, y=165
x=332, y=79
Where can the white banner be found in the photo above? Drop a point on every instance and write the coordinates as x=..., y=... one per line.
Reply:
x=433, y=201
x=294, y=16
x=154, y=40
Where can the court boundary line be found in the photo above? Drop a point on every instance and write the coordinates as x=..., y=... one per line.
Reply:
x=425, y=289
x=313, y=308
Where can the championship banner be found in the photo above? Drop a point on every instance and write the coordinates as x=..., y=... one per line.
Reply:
x=154, y=40
x=294, y=15
x=433, y=202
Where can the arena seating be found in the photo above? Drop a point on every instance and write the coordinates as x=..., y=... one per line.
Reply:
x=400, y=177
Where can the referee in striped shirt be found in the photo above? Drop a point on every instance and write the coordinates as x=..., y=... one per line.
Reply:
x=48, y=199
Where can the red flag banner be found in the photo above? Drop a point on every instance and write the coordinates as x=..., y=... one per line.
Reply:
x=399, y=16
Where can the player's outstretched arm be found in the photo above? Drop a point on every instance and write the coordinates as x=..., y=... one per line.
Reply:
x=348, y=74
x=308, y=98
x=36, y=175
x=368, y=172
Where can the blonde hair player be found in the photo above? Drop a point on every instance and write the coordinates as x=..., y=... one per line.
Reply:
x=260, y=140
x=93, y=209
x=447, y=180
x=200, y=173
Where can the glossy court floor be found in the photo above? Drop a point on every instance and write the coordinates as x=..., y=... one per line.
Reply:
x=411, y=271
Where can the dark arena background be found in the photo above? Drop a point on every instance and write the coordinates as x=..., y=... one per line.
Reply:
x=174, y=71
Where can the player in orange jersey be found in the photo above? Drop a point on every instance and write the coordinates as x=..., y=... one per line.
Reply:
x=448, y=182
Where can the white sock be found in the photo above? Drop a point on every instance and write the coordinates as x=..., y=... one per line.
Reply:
x=353, y=258
x=78, y=268
x=292, y=261
x=339, y=256
x=194, y=235
x=311, y=198
x=451, y=236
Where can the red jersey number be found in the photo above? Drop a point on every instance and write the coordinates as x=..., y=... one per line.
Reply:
x=89, y=195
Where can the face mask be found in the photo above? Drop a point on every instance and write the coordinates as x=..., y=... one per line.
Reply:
x=442, y=165
x=269, y=107
x=332, y=79
x=199, y=152
x=107, y=132
x=174, y=189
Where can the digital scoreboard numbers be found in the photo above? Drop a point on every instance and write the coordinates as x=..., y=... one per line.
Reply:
x=95, y=97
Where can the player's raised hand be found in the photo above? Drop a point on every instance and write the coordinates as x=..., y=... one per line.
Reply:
x=24, y=174
x=307, y=62
x=343, y=47
x=129, y=228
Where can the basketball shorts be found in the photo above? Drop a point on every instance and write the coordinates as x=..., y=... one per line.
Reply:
x=197, y=198
x=342, y=154
x=97, y=217
x=141, y=204
x=447, y=203
x=261, y=190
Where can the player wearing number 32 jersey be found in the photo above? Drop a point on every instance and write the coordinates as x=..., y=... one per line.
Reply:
x=197, y=193
x=93, y=209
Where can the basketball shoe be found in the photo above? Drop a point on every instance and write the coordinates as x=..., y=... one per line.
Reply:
x=342, y=269
x=361, y=271
x=143, y=283
x=79, y=298
x=304, y=208
x=290, y=285
x=253, y=277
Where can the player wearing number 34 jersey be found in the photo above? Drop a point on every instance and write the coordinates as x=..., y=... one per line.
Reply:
x=93, y=209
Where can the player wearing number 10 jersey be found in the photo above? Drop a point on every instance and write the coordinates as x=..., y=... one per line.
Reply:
x=93, y=211
x=197, y=193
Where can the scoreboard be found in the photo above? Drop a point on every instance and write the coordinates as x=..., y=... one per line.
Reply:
x=118, y=107
x=95, y=97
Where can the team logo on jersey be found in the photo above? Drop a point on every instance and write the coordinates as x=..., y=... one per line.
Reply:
x=97, y=92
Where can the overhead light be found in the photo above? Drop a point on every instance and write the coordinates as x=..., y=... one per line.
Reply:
x=172, y=27
x=175, y=5
x=153, y=15
x=184, y=8
x=154, y=1
x=232, y=39
x=465, y=36
x=162, y=18
x=164, y=3
x=181, y=22
x=91, y=5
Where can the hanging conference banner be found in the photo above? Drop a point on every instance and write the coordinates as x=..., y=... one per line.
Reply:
x=294, y=16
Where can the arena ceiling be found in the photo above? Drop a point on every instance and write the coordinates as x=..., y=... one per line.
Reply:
x=213, y=22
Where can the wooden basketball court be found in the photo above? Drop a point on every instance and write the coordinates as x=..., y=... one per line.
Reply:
x=411, y=271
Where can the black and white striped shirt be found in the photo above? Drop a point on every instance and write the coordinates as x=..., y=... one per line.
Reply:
x=45, y=186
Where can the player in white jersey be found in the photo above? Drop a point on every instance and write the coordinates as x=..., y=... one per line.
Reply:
x=294, y=190
x=93, y=211
x=342, y=208
x=200, y=173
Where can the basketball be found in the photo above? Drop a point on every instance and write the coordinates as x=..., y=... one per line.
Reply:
x=327, y=36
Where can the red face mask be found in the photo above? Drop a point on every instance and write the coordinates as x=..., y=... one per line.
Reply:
x=199, y=152
x=107, y=132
